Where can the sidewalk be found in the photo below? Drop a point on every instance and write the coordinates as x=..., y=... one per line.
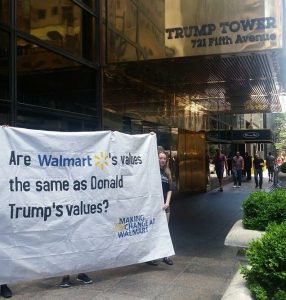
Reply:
x=203, y=266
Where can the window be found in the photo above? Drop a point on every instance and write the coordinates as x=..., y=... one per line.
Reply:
x=41, y=14
x=54, y=11
x=66, y=26
x=4, y=11
x=49, y=80
x=4, y=65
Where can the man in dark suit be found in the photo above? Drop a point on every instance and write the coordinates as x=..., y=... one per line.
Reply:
x=247, y=165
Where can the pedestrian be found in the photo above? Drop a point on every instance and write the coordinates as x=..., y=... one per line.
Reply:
x=229, y=164
x=166, y=179
x=5, y=291
x=270, y=164
x=247, y=166
x=207, y=168
x=237, y=167
x=258, y=164
x=220, y=165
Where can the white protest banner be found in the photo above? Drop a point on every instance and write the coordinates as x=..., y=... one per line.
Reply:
x=78, y=202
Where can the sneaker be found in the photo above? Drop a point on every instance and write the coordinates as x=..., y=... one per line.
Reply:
x=5, y=291
x=234, y=186
x=65, y=282
x=239, y=186
x=152, y=263
x=84, y=278
x=167, y=261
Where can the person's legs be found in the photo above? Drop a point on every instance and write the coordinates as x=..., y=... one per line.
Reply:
x=260, y=178
x=5, y=291
x=234, y=176
x=239, y=173
x=248, y=173
x=168, y=260
x=219, y=174
x=256, y=177
x=271, y=169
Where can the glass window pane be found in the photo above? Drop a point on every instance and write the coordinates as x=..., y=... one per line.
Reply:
x=4, y=65
x=43, y=120
x=4, y=11
x=49, y=80
x=59, y=23
x=5, y=112
x=90, y=3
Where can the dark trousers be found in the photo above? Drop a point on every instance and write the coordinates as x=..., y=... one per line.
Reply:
x=248, y=173
x=258, y=173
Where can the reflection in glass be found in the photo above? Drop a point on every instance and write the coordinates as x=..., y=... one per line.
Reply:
x=59, y=23
x=43, y=120
x=5, y=113
x=49, y=80
x=4, y=65
x=90, y=3
x=135, y=27
x=4, y=11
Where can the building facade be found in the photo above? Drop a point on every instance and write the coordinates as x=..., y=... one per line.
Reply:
x=195, y=72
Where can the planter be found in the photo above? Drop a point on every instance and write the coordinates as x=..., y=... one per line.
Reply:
x=237, y=289
x=240, y=237
x=282, y=179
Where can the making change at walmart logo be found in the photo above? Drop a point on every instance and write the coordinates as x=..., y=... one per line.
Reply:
x=78, y=202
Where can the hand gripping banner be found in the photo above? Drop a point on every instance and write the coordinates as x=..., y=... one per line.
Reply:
x=75, y=202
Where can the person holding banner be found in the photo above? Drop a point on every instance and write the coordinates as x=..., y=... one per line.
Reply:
x=5, y=291
x=166, y=179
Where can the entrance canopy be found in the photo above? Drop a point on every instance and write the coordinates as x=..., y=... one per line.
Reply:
x=241, y=136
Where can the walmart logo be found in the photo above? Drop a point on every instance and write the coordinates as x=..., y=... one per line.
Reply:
x=101, y=160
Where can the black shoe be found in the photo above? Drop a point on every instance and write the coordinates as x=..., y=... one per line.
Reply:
x=256, y=186
x=5, y=291
x=152, y=263
x=65, y=282
x=167, y=261
x=84, y=278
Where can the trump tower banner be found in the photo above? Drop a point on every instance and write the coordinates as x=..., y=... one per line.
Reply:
x=77, y=202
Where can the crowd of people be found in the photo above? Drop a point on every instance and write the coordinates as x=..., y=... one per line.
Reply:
x=241, y=167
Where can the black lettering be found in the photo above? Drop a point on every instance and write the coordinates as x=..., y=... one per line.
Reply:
x=16, y=159
x=99, y=207
x=271, y=22
x=59, y=209
x=179, y=32
x=170, y=33
x=234, y=26
x=223, y=25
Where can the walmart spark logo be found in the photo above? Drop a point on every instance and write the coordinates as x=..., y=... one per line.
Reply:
x=101, y=160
